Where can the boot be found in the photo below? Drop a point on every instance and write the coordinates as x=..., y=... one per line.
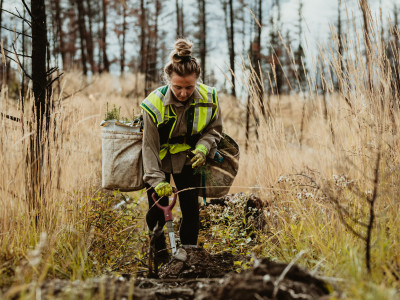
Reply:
x=161, y=255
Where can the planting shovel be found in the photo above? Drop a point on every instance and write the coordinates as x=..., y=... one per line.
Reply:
x=168, y=218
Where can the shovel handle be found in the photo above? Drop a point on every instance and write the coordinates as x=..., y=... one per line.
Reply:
x=167, y=209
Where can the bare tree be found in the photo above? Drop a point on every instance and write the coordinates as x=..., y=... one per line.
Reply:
x=142, y=37
x=227, y=6
x=58, y=30
x=106, y=62
x=124, y=8
x=152, y=49
x=255, y=51
x=202, y=35
x=82, y=33
x=180, y=29
x=89, y=36
x=276, y=50
x=70, y=36
x=360, y=223
x=368, y=47
x=340, y=45
x=1, y=17
x=299, y=55
x=41, y=104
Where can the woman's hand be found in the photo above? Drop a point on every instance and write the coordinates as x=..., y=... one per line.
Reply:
x=163, y=189
x=199, y=158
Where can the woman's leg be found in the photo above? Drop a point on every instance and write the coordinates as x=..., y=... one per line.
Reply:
x=188, y=200
x=155, y=215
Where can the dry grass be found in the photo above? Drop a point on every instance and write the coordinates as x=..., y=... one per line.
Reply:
x=306, y=171
x=337, y=151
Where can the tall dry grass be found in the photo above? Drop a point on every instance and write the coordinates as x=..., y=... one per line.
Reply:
x=71, y=177
x=313, y=155
x=325, y=164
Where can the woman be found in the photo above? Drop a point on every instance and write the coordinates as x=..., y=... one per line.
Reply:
x=179, y=117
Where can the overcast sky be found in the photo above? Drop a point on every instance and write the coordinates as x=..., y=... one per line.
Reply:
x=318, y=17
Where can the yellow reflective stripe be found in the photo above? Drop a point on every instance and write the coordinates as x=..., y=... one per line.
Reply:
x=196, y=118
x=151, y=113
x=166, y=114
x=203, y=115
x=173, y=125
x=159, y=95
x=176, y=148
x=202, y=122
x=163, y=152
x=154, y=103
x=215, y=101
x=209, y=109
x=173, y=149
x=203, y=91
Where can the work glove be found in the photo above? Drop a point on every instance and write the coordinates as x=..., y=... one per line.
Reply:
x=163, y=189
x=199, y=158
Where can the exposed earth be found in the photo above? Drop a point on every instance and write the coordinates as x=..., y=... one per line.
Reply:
x=201, y=276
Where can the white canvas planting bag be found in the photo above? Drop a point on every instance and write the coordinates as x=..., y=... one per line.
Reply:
x=122, y=166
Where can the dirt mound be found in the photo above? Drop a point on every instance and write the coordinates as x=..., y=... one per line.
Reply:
x=202, y=276
x=270, y=280
x=265, y=280
x=200, y=264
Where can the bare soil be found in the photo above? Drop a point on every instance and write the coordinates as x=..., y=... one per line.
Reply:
x=202, y=276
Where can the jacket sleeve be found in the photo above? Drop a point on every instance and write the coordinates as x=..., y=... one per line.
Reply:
x=212, y=134
x=151, y=152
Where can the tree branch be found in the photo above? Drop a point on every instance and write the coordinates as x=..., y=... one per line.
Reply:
x=12, y=118
x=27, y=35
x=19, y=54
x=27, y=8
x=17, y=16
x=51, y=82
x=20, y=65
x=372, y=214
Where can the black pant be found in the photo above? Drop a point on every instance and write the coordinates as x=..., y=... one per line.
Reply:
x=188, y=201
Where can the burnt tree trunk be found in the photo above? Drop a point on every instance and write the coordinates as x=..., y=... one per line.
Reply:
x=104, y=37
x=154, y=45
x=60, y=33
x=70, y=38
x=202, y=37
x=142, y=37
x=152, y=50
x=368, y=48
x=122, y=59
x=229, y=27
x=89, y=37
x=232, y=47
x=41, y=106
x=82, y=34
x=1, y=16
x=23, y=73
x=180, y=30
x=256, y=60
x=340, y=46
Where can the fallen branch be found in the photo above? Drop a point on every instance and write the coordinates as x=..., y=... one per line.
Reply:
x=12, y=118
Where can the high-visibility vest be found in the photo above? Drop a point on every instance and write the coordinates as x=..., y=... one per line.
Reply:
x=199, y=115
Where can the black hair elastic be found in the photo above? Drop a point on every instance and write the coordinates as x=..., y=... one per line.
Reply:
x=183, y=58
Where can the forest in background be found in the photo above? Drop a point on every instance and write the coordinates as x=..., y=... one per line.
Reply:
x=135, y=36
x=327, y=143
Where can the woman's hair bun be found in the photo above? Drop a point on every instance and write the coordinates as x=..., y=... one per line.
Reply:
x=183, y=49
x=181, y=60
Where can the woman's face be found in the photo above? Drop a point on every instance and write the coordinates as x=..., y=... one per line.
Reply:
x=183, y=86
